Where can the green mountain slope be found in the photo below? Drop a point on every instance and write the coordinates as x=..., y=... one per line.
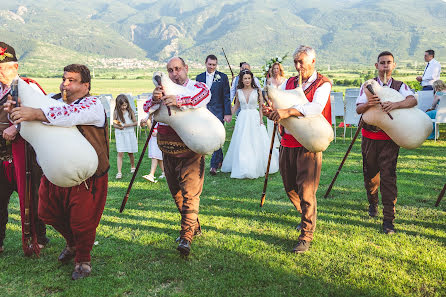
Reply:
x=343, y=32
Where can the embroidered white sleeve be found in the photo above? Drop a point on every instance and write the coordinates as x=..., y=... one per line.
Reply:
x=320, y=99
x=89, y=111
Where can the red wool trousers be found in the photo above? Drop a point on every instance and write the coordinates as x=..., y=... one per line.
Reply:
x=75, y=212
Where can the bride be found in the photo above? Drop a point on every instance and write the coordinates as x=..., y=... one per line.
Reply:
x=247, y=156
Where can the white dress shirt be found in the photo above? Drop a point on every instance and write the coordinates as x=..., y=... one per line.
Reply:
x=404, y=90
x=320, y=97
x=209, y=79
x=431, y=73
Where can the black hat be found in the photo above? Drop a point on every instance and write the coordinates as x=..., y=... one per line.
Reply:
x=7, y=53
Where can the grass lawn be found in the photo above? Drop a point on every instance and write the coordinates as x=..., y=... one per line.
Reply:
x=245, y=249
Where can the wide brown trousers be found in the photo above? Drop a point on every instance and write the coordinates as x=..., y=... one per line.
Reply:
x=185, y=177
x=301, y=171
x=379, y=159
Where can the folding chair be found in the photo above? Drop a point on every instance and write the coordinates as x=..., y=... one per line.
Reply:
x=350, y=116
x=424, y=99
x=352, y=92
x=440, y=118
x=333, y=115
x=141, y=114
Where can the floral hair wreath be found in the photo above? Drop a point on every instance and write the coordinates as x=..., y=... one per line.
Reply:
x=270, y=62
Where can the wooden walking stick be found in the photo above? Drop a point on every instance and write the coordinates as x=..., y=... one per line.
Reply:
x=345, y=157
x=265, y=184
x=126, y=197
x=361, y=122
x=440, y=196
x=227, y=61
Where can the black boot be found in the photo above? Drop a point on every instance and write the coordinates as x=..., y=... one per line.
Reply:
x=388, y=227
x=373, y=210
x=184, y=247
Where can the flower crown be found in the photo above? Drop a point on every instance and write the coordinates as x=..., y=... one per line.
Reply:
x=270, y=63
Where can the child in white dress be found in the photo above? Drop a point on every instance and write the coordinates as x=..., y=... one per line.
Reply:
x=124, y=121
x=154, y=153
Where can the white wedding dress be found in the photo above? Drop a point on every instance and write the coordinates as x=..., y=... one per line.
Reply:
x=247, y=156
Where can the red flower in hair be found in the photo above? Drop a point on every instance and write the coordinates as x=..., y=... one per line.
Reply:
x=4, y=54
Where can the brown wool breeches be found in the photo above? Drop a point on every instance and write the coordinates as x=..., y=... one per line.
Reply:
x=74, y=212
x=185, y=177
x=379, y=159
x=301, y=171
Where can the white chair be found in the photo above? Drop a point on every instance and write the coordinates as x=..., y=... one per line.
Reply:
x=425, y=99
x=352, y=92
x=440, y=118
x=141, y=114
x=105, y=100
x=112, y=111
x=350, y=116
x=333, y=115
x=339, y=103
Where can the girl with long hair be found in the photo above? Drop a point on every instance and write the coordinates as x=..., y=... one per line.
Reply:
x=124, y=121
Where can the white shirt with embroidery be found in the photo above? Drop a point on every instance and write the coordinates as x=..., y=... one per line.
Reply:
x=404, y=90
x=88, y=111
x=197, y=94
x=320, y=97
x=431, y=73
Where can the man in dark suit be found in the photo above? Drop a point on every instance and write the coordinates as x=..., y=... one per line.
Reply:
x=220, y=104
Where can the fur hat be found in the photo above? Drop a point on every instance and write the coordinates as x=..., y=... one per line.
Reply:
x=7, y=53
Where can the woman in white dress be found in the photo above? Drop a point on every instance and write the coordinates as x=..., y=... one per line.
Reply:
x=124, y=121
x=247, y=156
x=276, y=79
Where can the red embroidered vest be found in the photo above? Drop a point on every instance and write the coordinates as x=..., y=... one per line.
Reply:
x=288, y=140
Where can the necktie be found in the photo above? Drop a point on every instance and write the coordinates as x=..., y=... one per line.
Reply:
x=426, y=68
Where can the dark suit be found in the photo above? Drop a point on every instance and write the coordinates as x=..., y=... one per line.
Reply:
x=220, y=105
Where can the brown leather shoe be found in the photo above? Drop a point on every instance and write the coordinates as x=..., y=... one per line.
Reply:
x=66, y=255
x=81, y=270
x=213, y=171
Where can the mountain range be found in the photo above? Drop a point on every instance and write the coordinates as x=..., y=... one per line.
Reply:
x=50, y=33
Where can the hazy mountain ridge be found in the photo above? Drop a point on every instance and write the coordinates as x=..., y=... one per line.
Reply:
x=341, y=31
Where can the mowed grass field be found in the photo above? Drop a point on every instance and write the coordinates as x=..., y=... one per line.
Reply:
x=245, y=250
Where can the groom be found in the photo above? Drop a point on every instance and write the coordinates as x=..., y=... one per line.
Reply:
x=220, y=104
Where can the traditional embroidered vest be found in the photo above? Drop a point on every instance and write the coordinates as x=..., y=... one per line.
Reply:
x=170, y=143
x=373, y=132
x=288, y=140
x=98, y=138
